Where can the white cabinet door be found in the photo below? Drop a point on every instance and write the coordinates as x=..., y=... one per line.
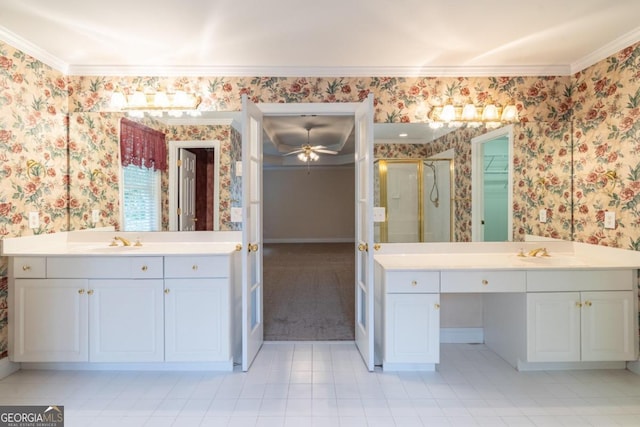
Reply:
x=412, y=328
x=126, y=320
x=608, y=326
x=197, y=326
x=50, y=320
x=553, y=327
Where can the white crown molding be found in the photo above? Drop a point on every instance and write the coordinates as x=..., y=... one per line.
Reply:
x=622, y=42
x=31, y=49
x=258, y=71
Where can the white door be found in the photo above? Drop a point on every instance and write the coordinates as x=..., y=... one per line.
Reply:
x=364, y=230
x=252, y=315
x=187, y=190
x=608, y=326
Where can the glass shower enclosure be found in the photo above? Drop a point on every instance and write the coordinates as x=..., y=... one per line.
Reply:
x=416, y=195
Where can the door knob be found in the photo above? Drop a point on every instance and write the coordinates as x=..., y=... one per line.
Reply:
x=253, y=247
x=363, y=247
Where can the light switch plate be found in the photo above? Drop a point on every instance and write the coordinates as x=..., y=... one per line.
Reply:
x=34, y=220
x=239, y=168
x=95, y=216
x=542, y=215
x=609, y=219
x=379, y=214
x=236, y=214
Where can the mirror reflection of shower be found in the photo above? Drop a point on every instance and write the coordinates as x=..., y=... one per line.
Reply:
x=417, y=197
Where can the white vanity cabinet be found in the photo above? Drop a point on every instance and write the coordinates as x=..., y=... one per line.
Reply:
x=197, y=299
x=49, y=320
x=410, y=319
x=590, y=326
x=126, y=320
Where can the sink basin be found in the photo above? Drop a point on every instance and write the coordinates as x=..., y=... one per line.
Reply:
x=551, y=261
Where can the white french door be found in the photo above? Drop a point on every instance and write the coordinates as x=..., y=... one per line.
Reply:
x=364, y=231
x=187, y=190
x=252, y=295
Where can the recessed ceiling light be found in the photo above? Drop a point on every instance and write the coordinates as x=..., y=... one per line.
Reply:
x=403, y=135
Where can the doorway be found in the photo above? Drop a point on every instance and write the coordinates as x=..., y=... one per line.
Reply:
x=492, y=186
x=308, y=256
x=206, y=187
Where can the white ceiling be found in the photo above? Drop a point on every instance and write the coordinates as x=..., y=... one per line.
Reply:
x=319, y=38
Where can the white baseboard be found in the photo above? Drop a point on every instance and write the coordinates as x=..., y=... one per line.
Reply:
x=462, y=335
x=150, y=366
x=311, y=240
x=7, y=367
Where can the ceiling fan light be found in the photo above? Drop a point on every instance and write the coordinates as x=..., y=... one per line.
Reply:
x=302, y=157
x=314, y=156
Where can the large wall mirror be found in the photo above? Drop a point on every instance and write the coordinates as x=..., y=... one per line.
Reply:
x=542, y=168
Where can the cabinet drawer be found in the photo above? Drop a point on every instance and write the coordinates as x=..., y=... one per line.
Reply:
x=580, y=280
x=196, y=266
x=412, y=282
x=483, y=281
x=29, y=267
x=105, y=267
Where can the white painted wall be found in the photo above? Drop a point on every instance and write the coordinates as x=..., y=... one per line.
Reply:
x=309, y=207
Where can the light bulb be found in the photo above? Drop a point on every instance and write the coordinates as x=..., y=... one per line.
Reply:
x=469, y=111
x=138, y=99
x=490, y=111
x=510, y=113
x=160, y=99
x=118, y=100
x=448, y=112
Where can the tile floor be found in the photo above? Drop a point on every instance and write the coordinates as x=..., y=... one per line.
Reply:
x=326, y=384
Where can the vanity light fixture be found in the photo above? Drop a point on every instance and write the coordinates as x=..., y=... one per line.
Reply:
x=472, y=114
x=156, y=102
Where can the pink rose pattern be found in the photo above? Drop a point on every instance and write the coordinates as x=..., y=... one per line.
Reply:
x=44, y=113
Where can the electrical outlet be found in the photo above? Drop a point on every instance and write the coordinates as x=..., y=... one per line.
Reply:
x=95, y=216
x=542, y=215
x=609, y=219
x=34, y=219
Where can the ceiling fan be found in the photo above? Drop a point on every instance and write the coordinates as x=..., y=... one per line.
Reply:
x=307, y=152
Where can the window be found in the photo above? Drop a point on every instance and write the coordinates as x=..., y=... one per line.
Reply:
x=141, y=199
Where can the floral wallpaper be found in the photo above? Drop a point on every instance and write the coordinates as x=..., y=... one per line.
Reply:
x=44, y=114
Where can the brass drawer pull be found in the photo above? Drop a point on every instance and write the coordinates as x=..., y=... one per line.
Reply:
x=90, y=292
x=195, y=267
x=166, y=291
x=414, y=283
x=587, y=303
x=485, y=282
x=81, y=291
x=26, y=267
x=436, y=306
x=144, y=268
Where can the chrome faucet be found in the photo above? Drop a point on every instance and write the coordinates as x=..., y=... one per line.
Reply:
x=124, y=241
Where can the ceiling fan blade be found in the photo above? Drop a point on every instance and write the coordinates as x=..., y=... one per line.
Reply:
x=293, y=152
x=326, y=151
x=318, y=147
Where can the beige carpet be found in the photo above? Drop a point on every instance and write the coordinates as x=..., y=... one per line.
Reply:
x=309, y=291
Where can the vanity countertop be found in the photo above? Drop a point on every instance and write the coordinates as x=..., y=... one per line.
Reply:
x=504, y=256
x=98, y=244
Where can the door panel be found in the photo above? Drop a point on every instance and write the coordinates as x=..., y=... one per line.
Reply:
x=187, y=190
x=364, y=231
x=252, y=296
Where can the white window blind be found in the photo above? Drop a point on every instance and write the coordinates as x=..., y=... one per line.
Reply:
x=141, y=196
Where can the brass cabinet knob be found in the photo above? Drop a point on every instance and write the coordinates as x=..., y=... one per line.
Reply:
x=578, y=304
x=195, y=267
x=587, y=303
x=436, y=306
x=376, y=247
x=26, y=267
x=90, y=292
x=485, y=282
x=81, y=291
x=144, y=268
x=166, y=291
x=238, y=247
x=414, y=283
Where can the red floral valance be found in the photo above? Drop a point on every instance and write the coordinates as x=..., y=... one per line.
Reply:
x=142, y=146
